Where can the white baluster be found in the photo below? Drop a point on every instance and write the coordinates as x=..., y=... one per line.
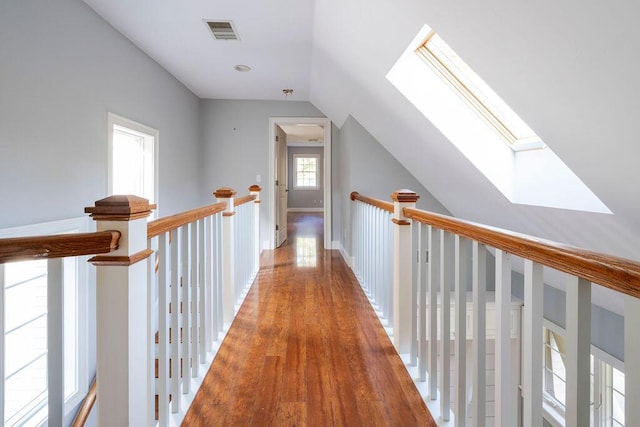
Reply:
x=578, y=341
x=202, y=284
x=532, y=345
x=163, y=330
x=504, y=402
x=631, y=358
x=461, y=278
x=446, y=277
x=414, y=292
x=185, y=317
x=479, y=345
x=433, y=279
x=195, y=299
x=422, y=298
x=55, y=341
x=174, y=331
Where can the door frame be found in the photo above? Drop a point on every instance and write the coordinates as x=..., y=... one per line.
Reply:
x=326, y=123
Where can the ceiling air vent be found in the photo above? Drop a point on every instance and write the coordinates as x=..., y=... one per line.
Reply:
x=223, y=30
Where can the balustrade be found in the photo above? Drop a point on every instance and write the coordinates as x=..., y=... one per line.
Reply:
x=166, y=291
x=441, y=310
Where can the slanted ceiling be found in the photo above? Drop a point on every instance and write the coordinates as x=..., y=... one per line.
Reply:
x=568, y=68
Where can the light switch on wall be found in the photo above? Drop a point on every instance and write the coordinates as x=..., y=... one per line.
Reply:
x=258, y=178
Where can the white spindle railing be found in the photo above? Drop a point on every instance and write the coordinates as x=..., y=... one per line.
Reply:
x=160, y=301
x=372, y=243
x=458, y=318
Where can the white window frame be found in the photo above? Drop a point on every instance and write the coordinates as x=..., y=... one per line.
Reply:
x=85, y=276
x=601, y=405
x=484, y=101
x=152, y=150
x=295, y=171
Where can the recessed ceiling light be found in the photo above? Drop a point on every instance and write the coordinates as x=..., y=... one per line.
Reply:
x=242, y=68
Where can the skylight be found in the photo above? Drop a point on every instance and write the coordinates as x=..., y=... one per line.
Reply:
x=480, y=97
x=488, y=132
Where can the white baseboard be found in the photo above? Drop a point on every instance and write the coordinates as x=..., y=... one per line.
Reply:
x=305, y=209
x=347, y=258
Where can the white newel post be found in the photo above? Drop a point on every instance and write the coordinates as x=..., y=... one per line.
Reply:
x=402, y=270
x=122, y=366
x=254, y=190
x=226, y=194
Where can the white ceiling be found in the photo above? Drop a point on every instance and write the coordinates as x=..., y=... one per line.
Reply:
x=311, y=135
x=275, y=41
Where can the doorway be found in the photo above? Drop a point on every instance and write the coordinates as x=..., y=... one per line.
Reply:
x=297, y=128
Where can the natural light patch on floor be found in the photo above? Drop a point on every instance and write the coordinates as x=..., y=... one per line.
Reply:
x=525, y=170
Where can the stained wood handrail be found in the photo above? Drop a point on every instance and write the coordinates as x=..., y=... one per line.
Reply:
x=242, y=200
x=385, y=206
x=87, y=404
x=58, y=246
x=620, y=274
x=172, y=222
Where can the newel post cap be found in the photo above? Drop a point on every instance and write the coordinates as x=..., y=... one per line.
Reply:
x=224, y=193
x=404, y=196
x=120, y=208
x=255, y=188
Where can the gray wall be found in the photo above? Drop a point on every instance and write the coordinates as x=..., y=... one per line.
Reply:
x=63, y=68
x=365, y=166
x=235, y=145
x=305, y=199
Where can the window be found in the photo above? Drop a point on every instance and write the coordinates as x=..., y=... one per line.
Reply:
x=24, y=328
x=306, y=172
x=468, y=113
x=132, y=158
x=607, y=383
x=480, y=97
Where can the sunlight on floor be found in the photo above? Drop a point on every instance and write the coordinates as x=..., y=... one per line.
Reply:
x=306, y=252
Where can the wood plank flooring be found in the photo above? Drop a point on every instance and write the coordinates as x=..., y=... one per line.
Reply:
x=306, y=348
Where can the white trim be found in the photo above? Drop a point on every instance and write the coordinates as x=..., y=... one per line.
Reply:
x=326, y=123
x=114, y=119
x=305, y=210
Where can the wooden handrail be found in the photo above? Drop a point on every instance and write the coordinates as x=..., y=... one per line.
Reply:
x=58, y=246
x=172, y=222
x=83, y=414
x=620, y=274
x=385, y=206
x=242, y=200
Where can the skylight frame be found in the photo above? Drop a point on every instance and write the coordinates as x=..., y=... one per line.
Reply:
x=482, y=100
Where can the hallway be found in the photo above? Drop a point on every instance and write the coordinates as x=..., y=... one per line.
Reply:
x=306, y=348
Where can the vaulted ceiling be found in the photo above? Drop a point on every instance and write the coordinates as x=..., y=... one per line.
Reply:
x=568, y=68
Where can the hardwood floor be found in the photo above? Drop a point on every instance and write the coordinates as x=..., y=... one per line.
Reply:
x=306, y=348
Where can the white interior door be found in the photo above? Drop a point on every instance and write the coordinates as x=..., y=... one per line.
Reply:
x=281, y=186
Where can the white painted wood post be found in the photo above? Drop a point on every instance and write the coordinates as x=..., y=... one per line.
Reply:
x=433, y=271
x=461, y=278
x=504, y=399
x=122, y=368
x=226, y=194
x=578, y=351
x=631, y=358
x=447, y=276
x=532, y=345
x=402, y=270
x=254, y=190
x=479, y=345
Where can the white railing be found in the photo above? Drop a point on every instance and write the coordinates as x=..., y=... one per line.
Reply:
x=161, y=311
x=372, y=243
x=456, y=333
